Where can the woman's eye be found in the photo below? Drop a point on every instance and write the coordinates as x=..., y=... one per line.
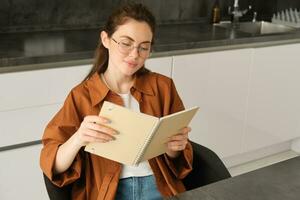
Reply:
x=128, y=44
x=144, y=48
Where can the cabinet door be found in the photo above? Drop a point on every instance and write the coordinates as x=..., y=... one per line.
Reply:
x=28, y=100
x=160, y=65
x=25, y=125
x=39, y=87
x=21, y=176
x=274, y=108
x=216, y=82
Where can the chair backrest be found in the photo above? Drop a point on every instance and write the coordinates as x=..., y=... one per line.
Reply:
x=57, y=193
x=207, y=168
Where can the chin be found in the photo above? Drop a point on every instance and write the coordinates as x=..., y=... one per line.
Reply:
x=131, y=71
x=128, y=72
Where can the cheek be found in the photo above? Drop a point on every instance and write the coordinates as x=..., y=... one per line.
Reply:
x=118, y=59
x=141, y=63
x=115, y=56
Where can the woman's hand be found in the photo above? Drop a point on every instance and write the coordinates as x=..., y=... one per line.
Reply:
x=178, y=142
x=94, y=129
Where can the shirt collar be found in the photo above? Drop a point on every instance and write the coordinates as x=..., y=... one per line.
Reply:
x=98, y=89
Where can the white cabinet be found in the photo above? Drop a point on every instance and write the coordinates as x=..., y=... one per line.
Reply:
x=274, y=109
x=161, y=65
x=40, y=87
x=248, y=98
x=28, y=100
x=21, y=176
x=25, y=125
x=216, y=82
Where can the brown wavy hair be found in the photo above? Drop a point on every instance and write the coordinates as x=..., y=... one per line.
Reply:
x=118, y=17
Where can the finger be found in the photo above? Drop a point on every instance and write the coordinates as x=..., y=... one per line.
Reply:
x=96, y=119
x=101, y=128
x=88, y=138
x=99, y=135
x=186, y=130
x=178, y=137
x=183, y=132
x=177, y=143
x=177, y=147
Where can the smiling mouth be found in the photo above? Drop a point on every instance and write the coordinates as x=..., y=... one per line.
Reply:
x=131, y=64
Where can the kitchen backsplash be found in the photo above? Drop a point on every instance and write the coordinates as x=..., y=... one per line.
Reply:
x=36, y=15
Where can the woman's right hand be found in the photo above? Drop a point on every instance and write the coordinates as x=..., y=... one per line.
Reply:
x=94, y=129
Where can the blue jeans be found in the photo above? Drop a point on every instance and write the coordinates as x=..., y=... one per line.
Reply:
x=138, y=188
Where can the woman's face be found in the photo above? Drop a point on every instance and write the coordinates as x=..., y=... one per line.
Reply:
x=128, y=47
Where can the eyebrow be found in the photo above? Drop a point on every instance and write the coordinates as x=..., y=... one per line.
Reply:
x=125, y=36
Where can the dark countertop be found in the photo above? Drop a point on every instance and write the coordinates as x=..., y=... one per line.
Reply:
x=275, y=182
x=30, y=51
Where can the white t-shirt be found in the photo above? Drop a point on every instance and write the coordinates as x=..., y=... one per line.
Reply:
x=143, y=168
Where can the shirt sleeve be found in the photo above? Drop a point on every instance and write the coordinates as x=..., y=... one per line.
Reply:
x=182, y=165
x=58, y=131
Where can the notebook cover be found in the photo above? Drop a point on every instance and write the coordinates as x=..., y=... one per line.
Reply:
x=168, y=126
x=133, y=128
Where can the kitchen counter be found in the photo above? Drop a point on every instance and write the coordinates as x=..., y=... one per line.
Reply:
x=275, y=182
x=37, y=50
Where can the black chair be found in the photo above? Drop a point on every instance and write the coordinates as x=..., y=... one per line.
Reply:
x=207, y=168
x=55, y=192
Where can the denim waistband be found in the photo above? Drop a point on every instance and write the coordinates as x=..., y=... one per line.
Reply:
x=138, y=188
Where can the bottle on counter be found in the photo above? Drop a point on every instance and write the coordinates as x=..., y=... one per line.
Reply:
x=216, y=13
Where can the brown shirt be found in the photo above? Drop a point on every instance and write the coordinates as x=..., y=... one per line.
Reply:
x=95, y=177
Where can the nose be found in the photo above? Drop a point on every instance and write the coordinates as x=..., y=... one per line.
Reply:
x=134, y=52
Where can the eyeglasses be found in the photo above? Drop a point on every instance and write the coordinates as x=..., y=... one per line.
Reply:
x=126, y=46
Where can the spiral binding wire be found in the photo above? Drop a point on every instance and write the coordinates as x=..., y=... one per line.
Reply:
x=143, y=147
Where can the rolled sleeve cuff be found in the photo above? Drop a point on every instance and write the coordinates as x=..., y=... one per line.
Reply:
x=182, y=165
x=47, y=161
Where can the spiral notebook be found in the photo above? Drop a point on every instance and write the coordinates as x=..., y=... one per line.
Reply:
x=141, y=136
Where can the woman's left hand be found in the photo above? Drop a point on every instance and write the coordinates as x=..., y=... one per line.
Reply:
x=178, y=142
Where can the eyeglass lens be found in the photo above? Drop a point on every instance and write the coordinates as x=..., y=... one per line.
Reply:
x=126, y=46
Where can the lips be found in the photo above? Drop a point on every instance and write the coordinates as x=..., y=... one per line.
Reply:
x=131, y=64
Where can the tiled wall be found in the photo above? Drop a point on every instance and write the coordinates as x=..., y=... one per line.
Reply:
x=284, y=4
x=16, y=15
x=28, y=15
x=52, y=14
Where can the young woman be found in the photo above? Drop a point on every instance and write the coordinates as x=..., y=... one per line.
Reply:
x=118, y=76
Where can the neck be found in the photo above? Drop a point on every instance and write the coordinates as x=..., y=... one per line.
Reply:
x=117, y=82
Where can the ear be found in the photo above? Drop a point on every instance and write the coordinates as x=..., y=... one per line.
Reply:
x=105, y=39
